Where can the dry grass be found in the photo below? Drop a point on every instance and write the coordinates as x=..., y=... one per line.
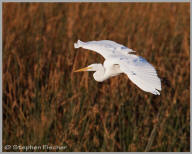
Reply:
x=44, y=102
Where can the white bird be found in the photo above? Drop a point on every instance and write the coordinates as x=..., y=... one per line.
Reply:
x=119, y=60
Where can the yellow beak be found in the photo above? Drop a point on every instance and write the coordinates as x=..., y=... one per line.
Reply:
x=83, y=69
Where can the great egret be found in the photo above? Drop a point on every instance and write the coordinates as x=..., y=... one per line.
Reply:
x=119, y=60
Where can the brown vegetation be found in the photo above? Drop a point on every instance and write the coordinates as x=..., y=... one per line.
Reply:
x=45, y=103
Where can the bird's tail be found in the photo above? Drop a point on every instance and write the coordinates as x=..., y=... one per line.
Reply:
x=78, y=44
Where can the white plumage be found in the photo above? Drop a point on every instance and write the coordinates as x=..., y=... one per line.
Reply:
x=119, y=60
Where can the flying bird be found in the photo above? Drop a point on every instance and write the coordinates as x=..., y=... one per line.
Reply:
x=120, y=59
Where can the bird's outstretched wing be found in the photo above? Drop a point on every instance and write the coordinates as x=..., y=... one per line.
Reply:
x=106, y=48
x=141, y=73
x=137, y=68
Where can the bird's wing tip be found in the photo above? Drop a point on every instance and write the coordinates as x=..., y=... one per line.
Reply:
x=156, y=92
x=78, y=44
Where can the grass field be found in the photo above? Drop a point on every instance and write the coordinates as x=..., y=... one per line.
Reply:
x=45, y=103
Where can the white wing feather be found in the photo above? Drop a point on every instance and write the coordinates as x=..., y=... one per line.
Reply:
x=106, y=48
x=139, y=71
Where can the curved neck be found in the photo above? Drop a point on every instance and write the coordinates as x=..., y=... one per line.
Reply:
x=100, y=75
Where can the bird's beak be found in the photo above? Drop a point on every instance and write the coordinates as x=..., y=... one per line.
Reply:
x=83, y=69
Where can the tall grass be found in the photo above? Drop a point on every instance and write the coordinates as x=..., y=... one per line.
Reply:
x=45, y=103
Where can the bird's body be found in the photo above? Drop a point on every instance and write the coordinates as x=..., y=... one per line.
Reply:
x=119, y=60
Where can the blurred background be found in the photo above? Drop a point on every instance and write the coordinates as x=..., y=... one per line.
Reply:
x=45, y=103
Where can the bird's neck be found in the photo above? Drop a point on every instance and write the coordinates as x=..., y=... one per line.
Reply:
x=100, y=74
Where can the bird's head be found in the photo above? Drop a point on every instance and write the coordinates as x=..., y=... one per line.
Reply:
x=92, y=67
x=97, y=68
